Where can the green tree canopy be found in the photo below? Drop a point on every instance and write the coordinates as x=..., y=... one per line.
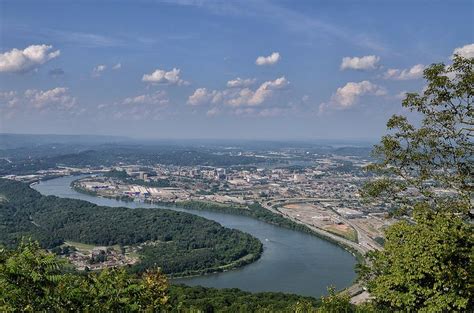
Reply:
x=427, y=261
x=426, y=265
x=34, y=280
x=438, y=155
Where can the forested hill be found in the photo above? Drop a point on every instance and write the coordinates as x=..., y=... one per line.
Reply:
x=184, y=243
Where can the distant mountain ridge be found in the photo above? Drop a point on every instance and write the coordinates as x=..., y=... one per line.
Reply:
x=13, y=141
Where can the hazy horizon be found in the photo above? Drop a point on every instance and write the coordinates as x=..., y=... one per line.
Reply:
x=139, y=138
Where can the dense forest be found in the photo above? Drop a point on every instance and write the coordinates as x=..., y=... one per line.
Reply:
x=234, y=300
x=184, y=243
x=34, y=280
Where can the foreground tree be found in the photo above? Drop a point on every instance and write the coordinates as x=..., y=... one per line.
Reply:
x=334, y=302
x=439, y=153
x=426, y=265
x=427, y=261
x=34, y=280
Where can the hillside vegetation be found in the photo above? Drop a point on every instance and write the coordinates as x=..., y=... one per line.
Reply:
x=183, y=243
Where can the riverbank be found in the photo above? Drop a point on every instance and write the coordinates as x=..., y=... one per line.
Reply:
x=256, y=211
x=292, y=261
x=268, y=215
x=177, y=242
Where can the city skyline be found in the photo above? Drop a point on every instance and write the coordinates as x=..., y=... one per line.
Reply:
x=211, y=69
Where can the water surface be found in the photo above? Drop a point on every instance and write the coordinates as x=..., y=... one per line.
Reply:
x=292, y=262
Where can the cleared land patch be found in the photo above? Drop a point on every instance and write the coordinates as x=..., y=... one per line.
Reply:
x=321, y=217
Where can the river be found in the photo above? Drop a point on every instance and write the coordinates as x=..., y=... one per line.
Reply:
x=292, y=262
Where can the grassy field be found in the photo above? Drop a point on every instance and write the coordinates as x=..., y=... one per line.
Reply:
x=86, y=247
x=345, y=231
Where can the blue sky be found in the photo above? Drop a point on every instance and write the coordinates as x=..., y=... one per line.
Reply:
x=220, y=69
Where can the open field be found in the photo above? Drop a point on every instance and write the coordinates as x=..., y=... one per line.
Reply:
x=83, y=247
x=320, y=217
x=295, y=206
x=374, y=226
x=342, y=230
x=80, y=246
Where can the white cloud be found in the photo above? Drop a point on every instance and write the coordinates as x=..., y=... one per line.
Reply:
x=28, y=59
x=117, y=66
x=101, y=68
x=203, y=96
x=97, y=71
x=466, y=51
x=260, y=112
x=213, y=112
x=241, y=97
x=164, y=77
x=239, y=82
x=348, y=95
x=401, y=95
x=33, y=101
x=152, y=106
x=414, y=72
x=269, y=60
x=58, y=97
x=368, y=62
x=248, y=97
x=200, y=96
x=156, y=98
x=237, y=97
x=9, y=99
x=266, y=90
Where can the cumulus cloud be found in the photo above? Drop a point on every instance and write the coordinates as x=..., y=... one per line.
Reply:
x=33, y=101
x=142, y=107
x=101, y=68
x=98, y=70
x=18, y=61
x=239, y=82
x=247, y=97
x=8, y=103
x=213, y=112
x=8, y=99
x=117, y=66
x=58, y=97
x=466, y=51
x=237, y=97
x=348, y=95
x=269, y=60
x=414, y=72
x=149, y=106
x=365, y=63
x=164, y=77
x=202, y=96
x=156, y=98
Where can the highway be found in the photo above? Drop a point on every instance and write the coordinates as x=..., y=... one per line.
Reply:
x=365, y=244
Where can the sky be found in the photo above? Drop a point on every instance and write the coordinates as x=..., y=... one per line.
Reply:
x=279, y=70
